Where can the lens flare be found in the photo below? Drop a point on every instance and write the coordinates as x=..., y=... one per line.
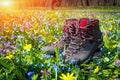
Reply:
x=6, y=3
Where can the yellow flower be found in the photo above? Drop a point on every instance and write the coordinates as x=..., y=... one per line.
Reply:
x=27, y=47
x=7, y=31
x=114, y=46
x=67, y=77
x=10, y=56
x=97, y=69
x=110, y=29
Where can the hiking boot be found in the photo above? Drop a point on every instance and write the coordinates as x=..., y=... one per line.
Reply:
x=68, y=31
x=86, y=42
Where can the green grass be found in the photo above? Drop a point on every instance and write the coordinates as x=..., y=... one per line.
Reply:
x=42, y=27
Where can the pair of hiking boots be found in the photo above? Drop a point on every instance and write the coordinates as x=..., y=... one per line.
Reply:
x=81, y=37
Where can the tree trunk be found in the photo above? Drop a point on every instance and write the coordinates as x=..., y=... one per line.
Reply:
x=117, y=2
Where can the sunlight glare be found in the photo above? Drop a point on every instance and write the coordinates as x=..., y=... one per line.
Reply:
x=6, y=3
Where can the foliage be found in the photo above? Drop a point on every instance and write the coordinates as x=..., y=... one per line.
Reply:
x=24, y=32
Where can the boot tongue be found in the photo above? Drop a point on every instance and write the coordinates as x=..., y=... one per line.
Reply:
x=83, y=23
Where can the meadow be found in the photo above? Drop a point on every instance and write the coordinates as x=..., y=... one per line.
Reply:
x=24, y=32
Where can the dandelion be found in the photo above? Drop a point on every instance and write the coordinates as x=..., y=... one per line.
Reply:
x=10, y=56
x=67, y=77
x=27, y=47
x=114, y=46
x=7, y=31
x=96, y=69
x=110, y=29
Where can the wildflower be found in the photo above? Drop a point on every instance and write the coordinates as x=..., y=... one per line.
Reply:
x=60, y=63
x=7, y=31
x=96, y=69
x=118, y=21
x=114, y=46
x=14, y=37
x=64, y=68
x=28, y=24
x=47, y=56
x=117, y=63
x=39, y=39
x=69, y=69
x=27, y=47
x=106, y=32
x=38, y=65
x=32, y=65
x=62, y=56
x=102, y=49
x=99, y=61
x=56, y=68
x=45, y=72
x=30, y=74
x=110, y=29
x=22, y=29
x=67, y=77
x=77, y=67
x=10, y=56
x=73, y=61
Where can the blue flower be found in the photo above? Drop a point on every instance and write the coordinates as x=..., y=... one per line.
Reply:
x=99, y=62
x=16, y=59
x=56, y=68
x=69, y=69
x=47, y=56
x=60, y=63
x=32, y=65
x=62, y=56
x=30, y=74
x=73, y=61
x=94, y=57
x=77, y=67
x=14, y=37
x=39, y=38
x=102, y=49
x=90, y=70
x=61, y=51
x=38, y=65
x=64, y=68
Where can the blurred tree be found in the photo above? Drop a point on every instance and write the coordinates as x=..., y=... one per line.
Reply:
x=66, y=3
x=52, y=3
